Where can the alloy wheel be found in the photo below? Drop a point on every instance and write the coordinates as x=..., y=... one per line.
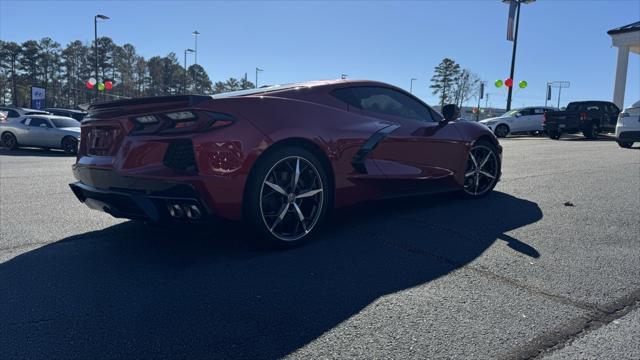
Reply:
x=9, y=140
x=482, y=170
x=501, y=131
x=291, y=198
x=70, y=146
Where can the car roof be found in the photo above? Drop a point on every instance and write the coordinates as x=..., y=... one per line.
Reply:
x=67, y=110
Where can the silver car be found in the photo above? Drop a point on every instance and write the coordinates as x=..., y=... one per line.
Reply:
x=45, y=131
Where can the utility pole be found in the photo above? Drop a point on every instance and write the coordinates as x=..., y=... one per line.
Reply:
x=518, y=3
x=411, y=86
x=479, y=98
x=95, y=45
x=184, y=81
x=257, y=70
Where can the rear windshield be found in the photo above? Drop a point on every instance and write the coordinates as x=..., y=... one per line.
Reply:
x=65, y=122
x=573, y=107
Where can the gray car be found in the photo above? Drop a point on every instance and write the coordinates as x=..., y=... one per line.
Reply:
x=45, y=131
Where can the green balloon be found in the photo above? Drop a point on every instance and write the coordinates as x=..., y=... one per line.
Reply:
x=523, y=84
x=498, y=83
x=101, y=86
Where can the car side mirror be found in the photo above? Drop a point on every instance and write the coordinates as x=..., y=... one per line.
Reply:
x=450, y=112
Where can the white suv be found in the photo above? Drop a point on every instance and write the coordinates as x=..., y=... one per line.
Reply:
x=628, y=126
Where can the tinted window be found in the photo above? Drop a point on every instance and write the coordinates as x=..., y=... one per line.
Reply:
x=36, y=122
x=12, y=114
x=384, y=101
x=526, y=112
x=593, y=107
x=65, y=122
x=539, y=111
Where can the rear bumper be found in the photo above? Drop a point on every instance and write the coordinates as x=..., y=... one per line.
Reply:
x=627, y=136
x=139, y=199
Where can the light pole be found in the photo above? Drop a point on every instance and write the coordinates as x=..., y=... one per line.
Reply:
x=184, y=85
x=257, y=70
x=95, y=46
x=195, y=60
x=411, y=86
x=515, y=44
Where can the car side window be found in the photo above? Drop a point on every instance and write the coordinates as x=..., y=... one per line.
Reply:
x=26, y=121
x=384, y=101
x=12, y=114
x=539, y=111
x=526, y=112
x=37, y=122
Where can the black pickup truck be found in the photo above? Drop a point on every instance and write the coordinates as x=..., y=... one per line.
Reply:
x=588, y=117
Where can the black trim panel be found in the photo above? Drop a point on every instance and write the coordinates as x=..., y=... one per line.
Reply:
x=358, y=159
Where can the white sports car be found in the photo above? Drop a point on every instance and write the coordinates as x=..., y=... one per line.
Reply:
x=518, y=121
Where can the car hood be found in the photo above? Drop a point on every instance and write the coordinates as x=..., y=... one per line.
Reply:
x=490, y=119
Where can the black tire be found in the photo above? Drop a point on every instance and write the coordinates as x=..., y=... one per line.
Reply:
x=492, y=166
x=591, y=132
x=624, y=144
x=271, y=194
x=554, y=134
x=69, y=145
x=501, y=131
x=9, y=140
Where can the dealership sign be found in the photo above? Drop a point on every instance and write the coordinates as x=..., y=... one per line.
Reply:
x=37, y=98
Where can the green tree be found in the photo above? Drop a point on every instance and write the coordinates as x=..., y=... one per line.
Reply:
x=443, y=80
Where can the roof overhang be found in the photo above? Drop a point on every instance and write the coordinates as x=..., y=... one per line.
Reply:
x=627, y=36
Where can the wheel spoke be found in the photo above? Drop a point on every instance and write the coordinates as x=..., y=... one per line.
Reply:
x=280, y=217
x=308, y=193
x=477, y=181
x=487, y=174
x=470, y=173
x=484, y=161
x=296, y=176
x=276, y=187
x=301, y=217
x=473, y=159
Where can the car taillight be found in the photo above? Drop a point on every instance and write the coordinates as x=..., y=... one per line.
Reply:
x=583, y=116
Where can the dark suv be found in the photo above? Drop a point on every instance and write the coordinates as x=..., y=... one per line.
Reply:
x=588, y=117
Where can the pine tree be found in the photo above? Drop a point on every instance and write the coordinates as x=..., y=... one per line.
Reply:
x=443, y=80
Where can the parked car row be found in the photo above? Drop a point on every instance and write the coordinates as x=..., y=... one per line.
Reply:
x=11, y=112
x=587, y=117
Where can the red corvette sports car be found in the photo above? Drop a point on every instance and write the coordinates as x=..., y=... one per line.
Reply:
x=279, y=157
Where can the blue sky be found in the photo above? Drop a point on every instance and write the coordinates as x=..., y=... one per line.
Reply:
x=390, y=41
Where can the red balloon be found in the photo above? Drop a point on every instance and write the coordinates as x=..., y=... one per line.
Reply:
x=89, y=85
x=509, y=82
x=108, y=85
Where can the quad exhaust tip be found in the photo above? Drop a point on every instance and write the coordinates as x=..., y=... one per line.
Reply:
x=190, y=211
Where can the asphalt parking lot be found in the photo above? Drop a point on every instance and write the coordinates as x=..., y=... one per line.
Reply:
x=518, y=274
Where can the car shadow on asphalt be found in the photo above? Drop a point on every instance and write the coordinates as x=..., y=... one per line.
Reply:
x=33, y=152
x=125, y=292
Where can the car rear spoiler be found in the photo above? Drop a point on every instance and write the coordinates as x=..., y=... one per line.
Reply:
x=190, y=99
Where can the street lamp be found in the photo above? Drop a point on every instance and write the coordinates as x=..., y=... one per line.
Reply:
x=257, y=70
x=185, y=68
x=95, y=45
x=411, y=86
x=515, y=42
